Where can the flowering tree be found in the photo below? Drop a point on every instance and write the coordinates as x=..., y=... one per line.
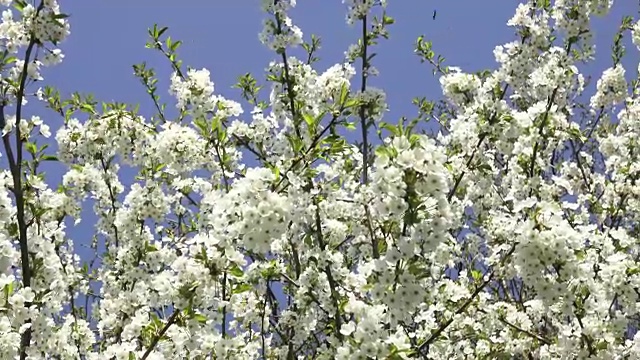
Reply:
x=511, y=232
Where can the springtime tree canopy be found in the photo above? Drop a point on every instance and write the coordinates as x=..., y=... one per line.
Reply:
x=499, y=223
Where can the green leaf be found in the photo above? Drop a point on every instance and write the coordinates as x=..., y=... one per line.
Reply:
x=8, y=289
x=392, y=129
x=19, y=4
x=161, y=31
x=350, y=125
x=632, y=271
x=200, y=318
x=476, y=275
x=10, y=59
x=484, y=168
x=351, y=103
x=88, y=108
x=276, y=172
x=31, y=148
x=236, y=271
x=175, y=45
x=151, y=248
x=242, y=288
x=49, y=158
x=382, y=151
x=308, y=119
x=344, y=94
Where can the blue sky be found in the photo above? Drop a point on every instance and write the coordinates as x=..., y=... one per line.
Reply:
x=109, y=36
